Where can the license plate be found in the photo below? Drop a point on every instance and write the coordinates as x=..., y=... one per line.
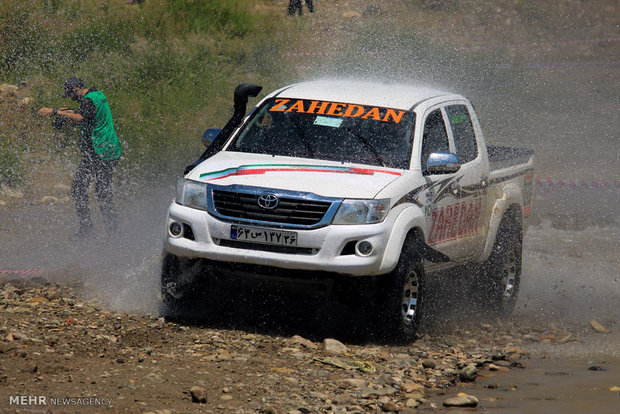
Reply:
x=265, y=236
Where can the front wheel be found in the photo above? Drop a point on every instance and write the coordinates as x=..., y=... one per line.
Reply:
x=180, y=284
x=403, y=297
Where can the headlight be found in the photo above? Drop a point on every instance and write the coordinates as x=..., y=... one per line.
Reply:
x=191, y=194
x=362, y=211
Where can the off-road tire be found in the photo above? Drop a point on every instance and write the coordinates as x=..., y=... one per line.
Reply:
x=501, y=274
x=403, y=294
x=180, y=287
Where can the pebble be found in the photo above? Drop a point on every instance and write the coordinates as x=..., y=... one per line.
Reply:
x=428, y=363
x=598, y=327
x=412, y=403
x=391, y=407
x=199, y=394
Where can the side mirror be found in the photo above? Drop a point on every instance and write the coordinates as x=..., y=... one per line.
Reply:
x=442, y=163
x=210, y=135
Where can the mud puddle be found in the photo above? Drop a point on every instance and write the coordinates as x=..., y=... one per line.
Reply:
x=558, y=385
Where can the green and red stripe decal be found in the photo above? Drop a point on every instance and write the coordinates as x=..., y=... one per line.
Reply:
x=255, y=169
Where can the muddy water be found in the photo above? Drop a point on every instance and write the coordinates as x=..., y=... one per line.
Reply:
x=561, y=386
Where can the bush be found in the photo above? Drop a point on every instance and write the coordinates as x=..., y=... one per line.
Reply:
x=232, y=17
x=11, y=169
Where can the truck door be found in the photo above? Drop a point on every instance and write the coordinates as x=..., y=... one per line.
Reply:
x=469, y=217
x=443, y=206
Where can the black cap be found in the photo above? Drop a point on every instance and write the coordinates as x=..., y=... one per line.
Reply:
x=71, y=83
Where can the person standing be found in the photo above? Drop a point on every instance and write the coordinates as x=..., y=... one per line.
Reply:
x=295, y=5
x=100, y=150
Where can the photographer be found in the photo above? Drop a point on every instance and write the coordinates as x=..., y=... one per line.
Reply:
x=100, y=149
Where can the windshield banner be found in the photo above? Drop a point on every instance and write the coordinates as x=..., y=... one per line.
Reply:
x=337, y=109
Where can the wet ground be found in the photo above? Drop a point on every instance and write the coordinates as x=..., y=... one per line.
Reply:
x=571, y=276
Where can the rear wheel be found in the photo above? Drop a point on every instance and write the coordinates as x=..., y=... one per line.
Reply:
x=403, y=297
x=501, y=274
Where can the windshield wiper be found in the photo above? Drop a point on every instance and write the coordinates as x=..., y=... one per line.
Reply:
x=364, y=141
x=302, y=135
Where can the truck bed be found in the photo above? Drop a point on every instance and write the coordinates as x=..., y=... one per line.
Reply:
x=501, y=157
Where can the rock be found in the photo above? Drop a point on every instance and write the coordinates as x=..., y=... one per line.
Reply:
x=505, y=364
x=377, y=391
x=412, y=403
x=19, y=336
x=8, y=89
x=514, y=350
x=614, y=389
x=296, y=339
x=2, y=203
x=411, y=387
x=199, y=394
x=48, y=200
x=469, y=373
x=598, y=327
x=462, y=400
x=596, y=368
x=10, y=192
x=355, y=382
x=428, y=363
x=391, y=407
x=158, y=412
x=154, y=377
x=333, y=346
x=341, y=399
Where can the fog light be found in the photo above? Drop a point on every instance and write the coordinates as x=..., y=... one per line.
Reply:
x=364, y=248
x=176, y=229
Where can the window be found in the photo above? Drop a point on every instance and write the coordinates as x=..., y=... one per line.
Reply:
x=347, y=133
x=463, y=131
x=435, y=138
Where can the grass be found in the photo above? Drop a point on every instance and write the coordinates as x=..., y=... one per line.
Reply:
x=11, y=168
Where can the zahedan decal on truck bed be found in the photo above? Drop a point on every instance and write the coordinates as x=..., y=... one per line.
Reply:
x=338, y=109
x=455, y=221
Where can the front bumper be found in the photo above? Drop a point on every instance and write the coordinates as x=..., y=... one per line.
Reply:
x=323, y=247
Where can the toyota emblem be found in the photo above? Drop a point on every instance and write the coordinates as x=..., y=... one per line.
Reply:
x=268, y=201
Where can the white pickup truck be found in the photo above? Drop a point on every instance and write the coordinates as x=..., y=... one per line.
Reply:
x=352, y=180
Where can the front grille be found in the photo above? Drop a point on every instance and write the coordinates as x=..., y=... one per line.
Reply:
x=288, y=211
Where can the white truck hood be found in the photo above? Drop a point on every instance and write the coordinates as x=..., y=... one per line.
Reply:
x=325, y=178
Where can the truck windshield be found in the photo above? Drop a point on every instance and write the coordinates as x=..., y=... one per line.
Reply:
x=329, y=131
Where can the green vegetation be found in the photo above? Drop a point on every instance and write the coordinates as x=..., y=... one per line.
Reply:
x=11, y=168
x=168, y=68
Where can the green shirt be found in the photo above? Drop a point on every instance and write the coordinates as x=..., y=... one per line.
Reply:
x=97, y=129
